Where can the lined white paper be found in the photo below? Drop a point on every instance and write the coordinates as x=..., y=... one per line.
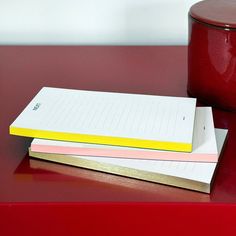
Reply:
x=147, y=117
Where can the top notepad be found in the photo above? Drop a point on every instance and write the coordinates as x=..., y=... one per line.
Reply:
x=132, y=120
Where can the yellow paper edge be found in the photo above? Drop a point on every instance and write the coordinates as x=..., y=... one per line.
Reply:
x=96, y=139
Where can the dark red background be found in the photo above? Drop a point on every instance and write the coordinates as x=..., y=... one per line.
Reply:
x=68, y=200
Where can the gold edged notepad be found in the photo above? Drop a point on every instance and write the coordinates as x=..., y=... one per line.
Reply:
x=190, y=175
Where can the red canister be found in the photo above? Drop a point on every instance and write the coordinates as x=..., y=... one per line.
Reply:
x=212, y=53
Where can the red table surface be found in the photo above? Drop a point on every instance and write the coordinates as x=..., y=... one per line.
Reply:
x=39, y=197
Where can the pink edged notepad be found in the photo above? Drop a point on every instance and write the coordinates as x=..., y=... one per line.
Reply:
x=204, y=145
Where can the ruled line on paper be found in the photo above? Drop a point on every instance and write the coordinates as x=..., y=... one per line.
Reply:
x=112, y=114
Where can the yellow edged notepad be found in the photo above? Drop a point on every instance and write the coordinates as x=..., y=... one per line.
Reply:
x=131, y=120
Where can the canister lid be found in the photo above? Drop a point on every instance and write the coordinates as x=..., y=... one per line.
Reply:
x=215, y=12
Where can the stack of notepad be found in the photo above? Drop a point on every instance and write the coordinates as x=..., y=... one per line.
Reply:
x=155, y=138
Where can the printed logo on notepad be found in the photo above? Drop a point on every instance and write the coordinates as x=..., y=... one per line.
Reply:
x=36, y=107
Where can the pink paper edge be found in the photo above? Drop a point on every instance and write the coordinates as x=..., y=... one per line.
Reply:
x=131, y=154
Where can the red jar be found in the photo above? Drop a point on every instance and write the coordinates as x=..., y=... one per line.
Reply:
x=212, y=53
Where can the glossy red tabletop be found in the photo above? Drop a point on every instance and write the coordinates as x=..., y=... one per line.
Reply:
x=31, y=188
